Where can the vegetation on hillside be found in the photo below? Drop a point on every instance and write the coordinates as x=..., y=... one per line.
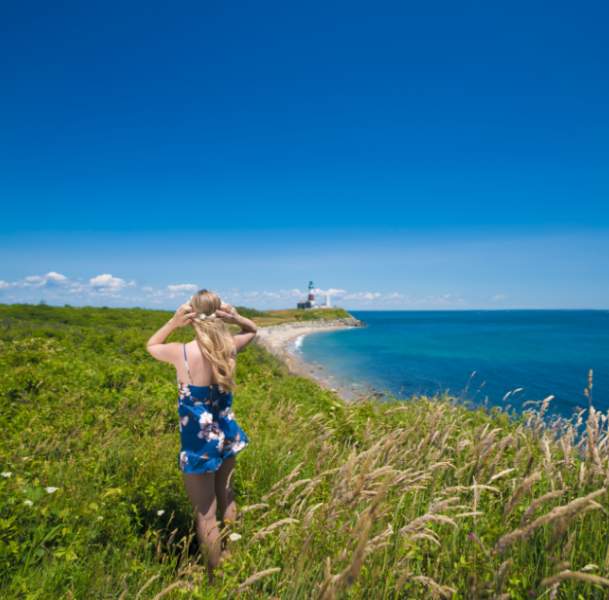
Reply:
x=418, y=499
x=289, y=315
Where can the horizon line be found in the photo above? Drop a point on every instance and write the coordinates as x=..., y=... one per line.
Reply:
x=515, y=309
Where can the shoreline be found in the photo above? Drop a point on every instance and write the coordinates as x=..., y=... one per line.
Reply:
x=283, y=341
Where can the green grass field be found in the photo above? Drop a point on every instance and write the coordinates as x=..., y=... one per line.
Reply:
x=418, y=499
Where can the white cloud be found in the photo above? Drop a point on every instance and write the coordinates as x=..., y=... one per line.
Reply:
x=442, y=300
x=329, y=291
x=177, y=288
x=362, y=296
x=498, y=298
x=107, y=282
x=51, y=278
x=287, y=294
x=56, y=287
x=292, y=293
x=56, y=277
x=76, y=287
x=33, y=280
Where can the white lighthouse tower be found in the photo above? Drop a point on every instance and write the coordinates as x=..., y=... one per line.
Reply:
x=310, y=301
x=311, y=295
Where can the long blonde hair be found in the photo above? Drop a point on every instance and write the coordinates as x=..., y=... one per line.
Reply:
x=214, y=338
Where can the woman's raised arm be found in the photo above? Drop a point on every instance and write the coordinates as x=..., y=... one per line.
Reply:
x=169, y=352
x=248, y=331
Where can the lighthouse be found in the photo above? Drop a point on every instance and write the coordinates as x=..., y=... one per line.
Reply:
x=311, y=296
x=310, y=302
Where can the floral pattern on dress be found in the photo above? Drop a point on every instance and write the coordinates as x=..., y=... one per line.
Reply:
x=206, y=418
x=227, y=413
x=183, y=391
x=234, y=444
x=209, y=432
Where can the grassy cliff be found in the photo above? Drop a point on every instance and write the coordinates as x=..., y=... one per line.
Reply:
x=420, y=499
x=288, y=315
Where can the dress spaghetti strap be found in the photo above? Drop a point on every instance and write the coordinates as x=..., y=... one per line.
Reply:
x=186, y=363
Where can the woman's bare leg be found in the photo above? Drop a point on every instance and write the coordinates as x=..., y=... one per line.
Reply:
x=201, y=492
x=225, y=496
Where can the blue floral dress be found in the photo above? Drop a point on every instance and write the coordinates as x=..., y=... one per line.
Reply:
x=209, y=432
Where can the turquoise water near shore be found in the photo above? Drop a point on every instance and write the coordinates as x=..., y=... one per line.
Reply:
x=477, y=355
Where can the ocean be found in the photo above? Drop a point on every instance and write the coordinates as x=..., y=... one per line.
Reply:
x=479, y=356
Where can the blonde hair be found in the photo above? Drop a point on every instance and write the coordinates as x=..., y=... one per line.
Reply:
x=214, y=338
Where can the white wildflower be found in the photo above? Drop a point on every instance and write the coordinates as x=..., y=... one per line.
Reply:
x=28, y=503
x=233, y=537
x=51, y=489
x=160, y=513
x=6, y=474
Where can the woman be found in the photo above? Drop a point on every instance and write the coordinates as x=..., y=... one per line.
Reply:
x=209, y=434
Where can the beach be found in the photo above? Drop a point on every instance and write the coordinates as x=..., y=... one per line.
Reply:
x=283, y=341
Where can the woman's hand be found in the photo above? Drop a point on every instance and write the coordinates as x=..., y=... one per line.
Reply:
x=227, y=313
x=156, y=345
x=184, y=315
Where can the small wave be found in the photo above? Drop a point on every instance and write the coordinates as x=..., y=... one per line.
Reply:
x=297, y=343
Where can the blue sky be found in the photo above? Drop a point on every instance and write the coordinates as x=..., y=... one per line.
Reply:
x=401, y=155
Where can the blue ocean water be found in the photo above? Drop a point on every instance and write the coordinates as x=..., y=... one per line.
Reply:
x=477, y=355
